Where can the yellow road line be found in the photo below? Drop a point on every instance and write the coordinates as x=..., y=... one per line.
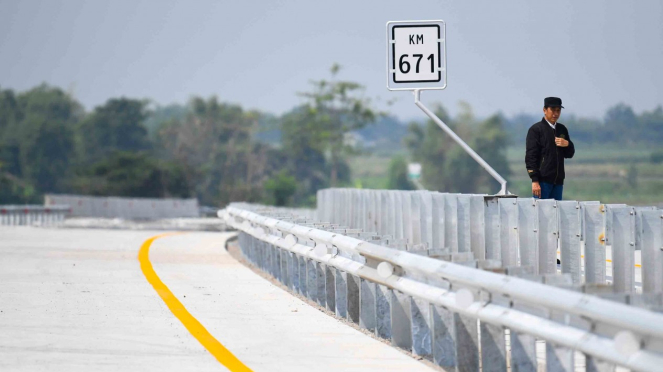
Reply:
x=223, y=355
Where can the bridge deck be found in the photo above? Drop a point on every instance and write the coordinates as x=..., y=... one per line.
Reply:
x=77, y=300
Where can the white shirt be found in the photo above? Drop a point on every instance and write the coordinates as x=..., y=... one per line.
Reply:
x=551, y=125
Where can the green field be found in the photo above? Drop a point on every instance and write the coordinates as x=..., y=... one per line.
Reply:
x=602, y=173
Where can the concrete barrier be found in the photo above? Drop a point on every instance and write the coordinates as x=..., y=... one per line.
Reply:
x=126, y=208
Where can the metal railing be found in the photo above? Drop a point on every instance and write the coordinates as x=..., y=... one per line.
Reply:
x=455, y=315
x=596, y=243
x=33, y=214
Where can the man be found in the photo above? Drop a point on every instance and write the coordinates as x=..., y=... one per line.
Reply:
x=548, y=143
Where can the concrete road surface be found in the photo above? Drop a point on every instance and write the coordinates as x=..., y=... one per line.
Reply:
x=77, y=300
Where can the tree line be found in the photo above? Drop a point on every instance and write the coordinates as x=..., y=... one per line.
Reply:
x=207, y=149
x=220, y=152
x=620, y=125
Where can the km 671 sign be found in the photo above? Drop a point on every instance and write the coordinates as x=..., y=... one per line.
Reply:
x=416, y=55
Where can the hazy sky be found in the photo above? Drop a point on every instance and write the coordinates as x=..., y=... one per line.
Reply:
x=502, y=55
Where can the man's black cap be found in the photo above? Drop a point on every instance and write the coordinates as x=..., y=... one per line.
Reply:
x=552, y=102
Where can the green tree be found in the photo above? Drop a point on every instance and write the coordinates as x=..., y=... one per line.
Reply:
x=161, y=115
x=44, y=136
x=398, y=177
x=445, y=165
x=281, y=187
x=337, y=108
x=118, y=125
x=10, y=115
x=621, y=124
x=652, y=126
x=133, y=174
x=304, y=151
x=214, y=144
x=490, y=142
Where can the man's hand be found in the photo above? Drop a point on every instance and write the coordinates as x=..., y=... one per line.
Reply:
x=561, y=142
x=536, y=189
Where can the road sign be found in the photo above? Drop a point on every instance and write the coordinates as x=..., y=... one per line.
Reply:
x=414, y=171
x=416, y=55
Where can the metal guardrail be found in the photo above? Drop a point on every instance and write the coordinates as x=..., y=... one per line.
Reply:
x=455, y=315
x=597, y=243
x=33, y=214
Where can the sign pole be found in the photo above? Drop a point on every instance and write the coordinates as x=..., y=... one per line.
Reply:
x=465, y=146
x=416, y=61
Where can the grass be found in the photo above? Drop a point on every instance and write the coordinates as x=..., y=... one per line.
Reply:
x=370, y=171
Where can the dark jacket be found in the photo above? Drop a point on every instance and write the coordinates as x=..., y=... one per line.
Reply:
x=545, y=160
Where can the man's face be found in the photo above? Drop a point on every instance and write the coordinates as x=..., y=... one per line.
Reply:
x=552, y=114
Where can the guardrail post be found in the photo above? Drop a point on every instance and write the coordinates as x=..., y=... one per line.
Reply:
x=292, y=271
x=438, y=221
x=464, y=223
x=341, y=289
x=398, y=215
x=311, y=280
x=451, y=223
x=285, y=277
x=271, y=260
x=559, y=358
x=353, y=298
x=492, y=217
x=508, y=208
x=478, y=227
x=421, y=327
x=383, y=312
x=303, y=277
x=321, y=297
x=467, y=343
x=330, y=287
x=264, y=255
x=523, y=352
x=623, y=249
x=392, y=224
x=401, y=320
x=295, y=273
x=426, y=217
x=261, y=253
x=376, y=210
x=415, y=216
x=652, y=251
x=493, y=348
x=609, y=220
x=277, y=263
x=638, y=225
x=255, y=247
x=367, y=315
x=595, y=250
x=548, y=233
x=444, y=337
x=406, y=210
x=363, y=222
x=569, y=239
x=384, y=222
